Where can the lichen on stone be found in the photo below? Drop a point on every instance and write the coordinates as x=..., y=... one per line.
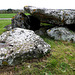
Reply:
x=22, y=44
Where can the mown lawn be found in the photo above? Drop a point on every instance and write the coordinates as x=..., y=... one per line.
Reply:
x=60, y=61
x=10, y=15
x=7, y=15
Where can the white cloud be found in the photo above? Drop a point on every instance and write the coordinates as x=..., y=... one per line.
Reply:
x=53, y=4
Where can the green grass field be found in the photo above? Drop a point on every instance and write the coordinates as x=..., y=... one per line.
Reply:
x=10, y=15
x=7, y=15
x=3, y=23
x=61, y=60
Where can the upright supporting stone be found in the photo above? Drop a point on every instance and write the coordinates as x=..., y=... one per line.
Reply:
x=26, y=22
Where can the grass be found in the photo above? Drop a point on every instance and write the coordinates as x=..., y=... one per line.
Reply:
x=60, y=61
x=45, y=24
x=3, y=23
x=27, y=14
x=7, y=15
x=10, y=15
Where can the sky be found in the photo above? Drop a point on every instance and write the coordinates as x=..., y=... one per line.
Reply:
x=50, y=4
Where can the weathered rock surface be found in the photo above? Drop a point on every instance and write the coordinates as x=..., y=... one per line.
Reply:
x=61, y=33
x=42, y=30
x=8, y=27
x=20, y=44
x=53, y=16
x=26, y=22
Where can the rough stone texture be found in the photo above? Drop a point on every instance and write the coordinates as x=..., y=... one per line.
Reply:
x=26, y=22
x=8, y=27
x=20, y=44
x=61, y=33
x=42, y=30
x=53, y=16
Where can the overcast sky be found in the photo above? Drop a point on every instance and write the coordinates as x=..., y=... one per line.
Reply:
x=51, y=4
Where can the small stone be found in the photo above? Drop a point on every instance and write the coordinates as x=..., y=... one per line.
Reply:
x=29, y=66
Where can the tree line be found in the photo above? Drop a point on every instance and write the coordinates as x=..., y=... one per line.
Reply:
x=10, y=11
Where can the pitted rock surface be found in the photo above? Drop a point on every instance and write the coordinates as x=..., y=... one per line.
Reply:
x=20, y=44
x=53, y=16
x=61, y=33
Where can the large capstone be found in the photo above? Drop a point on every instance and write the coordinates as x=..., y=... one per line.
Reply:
x=53, y=16
x=26, y=22
x=20, y=44
x=61, y=33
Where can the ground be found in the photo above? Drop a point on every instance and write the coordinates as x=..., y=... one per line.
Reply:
x=7, y=15
x=10, y=15
x=3, y=23
x=60, y=61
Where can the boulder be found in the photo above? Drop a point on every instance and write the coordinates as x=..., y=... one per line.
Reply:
x=26, y=22
x=53, y=16
x=20, y=44
x=61, y=33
